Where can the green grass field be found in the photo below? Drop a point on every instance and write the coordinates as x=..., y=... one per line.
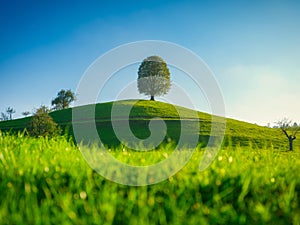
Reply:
x=237, y=132
x=253, y=179
x=48, y=182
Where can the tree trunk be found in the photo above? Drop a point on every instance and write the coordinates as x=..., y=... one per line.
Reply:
x=152, y=98
x=291, y=143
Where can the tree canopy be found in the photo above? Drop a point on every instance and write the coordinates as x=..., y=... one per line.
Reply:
x=63, y=99
x=153, y=77
x=42, y=124
x=10, y=111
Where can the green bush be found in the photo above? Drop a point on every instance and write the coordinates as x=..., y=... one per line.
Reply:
x=42, y=124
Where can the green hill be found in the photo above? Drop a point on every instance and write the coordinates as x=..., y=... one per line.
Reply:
x=237, y=132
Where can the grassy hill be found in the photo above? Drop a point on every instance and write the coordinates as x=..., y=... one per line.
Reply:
x=237, y=132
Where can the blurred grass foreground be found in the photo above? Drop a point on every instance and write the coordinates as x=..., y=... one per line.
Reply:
x=47, y=181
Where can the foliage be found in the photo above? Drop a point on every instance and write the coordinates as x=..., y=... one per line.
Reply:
x=26, y=113
x=4, y=116
x=42, y=124
x=153, y=77
x=63, y=99
x=47, y=181
x=8, y=114
x=287, y=124
x=10, y=111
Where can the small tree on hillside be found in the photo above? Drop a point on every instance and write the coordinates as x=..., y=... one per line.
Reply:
x=10, y=111
x=42, y=124
x=26, y=113
x=290, y=131
x=153, y=77
x=4, y=116
x=63, y=99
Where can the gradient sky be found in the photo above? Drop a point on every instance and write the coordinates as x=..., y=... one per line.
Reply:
x=253, y=48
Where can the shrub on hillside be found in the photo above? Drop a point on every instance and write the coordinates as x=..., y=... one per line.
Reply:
x=42, y=124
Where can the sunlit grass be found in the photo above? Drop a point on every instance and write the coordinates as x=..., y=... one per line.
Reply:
x=237, y=132
x=47, y=181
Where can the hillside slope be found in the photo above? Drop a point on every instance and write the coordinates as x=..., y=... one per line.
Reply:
x=237, y=132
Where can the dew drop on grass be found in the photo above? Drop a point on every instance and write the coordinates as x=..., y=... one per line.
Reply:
x=27, y=188
x=166, y=155
x=83, y=195
x=218, y=182
x=75, y=196
x=9, y=185
x=196, y=206
x=72, y=215
x=206, y=210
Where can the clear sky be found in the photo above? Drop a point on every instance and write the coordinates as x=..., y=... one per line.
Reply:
x=253, y=48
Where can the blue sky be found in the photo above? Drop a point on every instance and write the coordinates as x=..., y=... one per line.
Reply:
x=253, y=48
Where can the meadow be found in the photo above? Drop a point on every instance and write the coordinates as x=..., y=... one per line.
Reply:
x=237, y=132
x=47, y=181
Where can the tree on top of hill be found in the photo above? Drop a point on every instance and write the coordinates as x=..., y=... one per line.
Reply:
x=289, y=130
x=153, y=77
x=63, y=99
